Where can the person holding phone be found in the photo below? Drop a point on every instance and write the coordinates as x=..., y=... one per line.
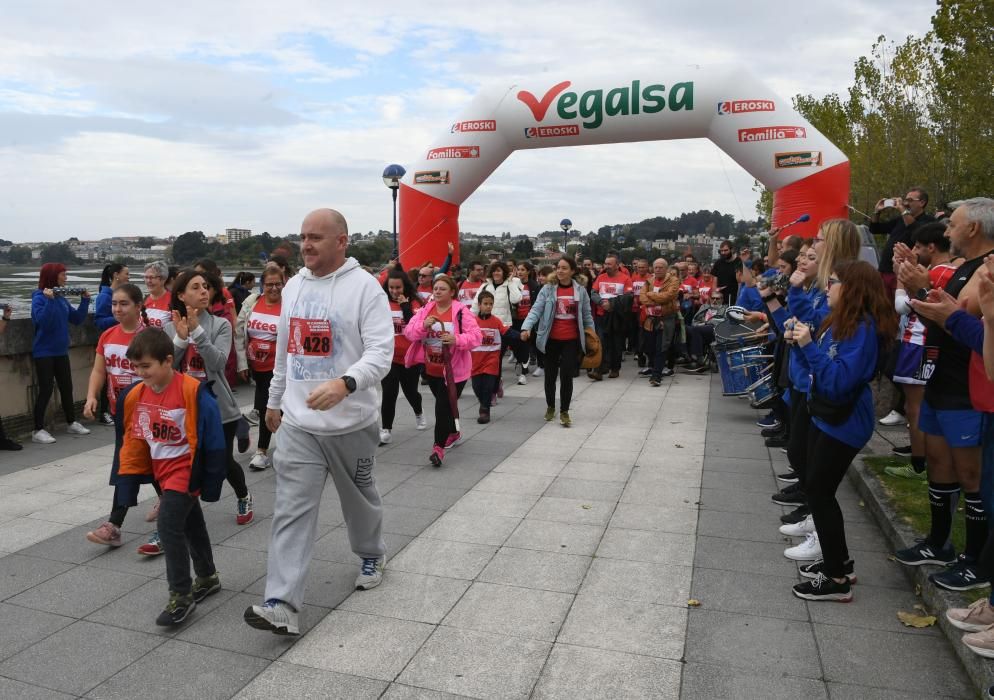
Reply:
x=899, y=229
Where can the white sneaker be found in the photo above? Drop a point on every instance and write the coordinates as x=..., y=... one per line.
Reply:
x=75, y=428
x=420, y=422
x=260, y=461
x=539, y=372
x=107, y=419
x=42, y=436
x=370, y=573
x=252, y=417
x=805, y=527
x=808, y=550
x=893, y=418
x=522, y=379
x=273, y=615
x=385, y=437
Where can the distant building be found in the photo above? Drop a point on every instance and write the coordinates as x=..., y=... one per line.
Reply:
x=233, y=235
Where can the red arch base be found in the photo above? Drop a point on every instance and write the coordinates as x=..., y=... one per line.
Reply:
x=822, y=196
x=439, y=222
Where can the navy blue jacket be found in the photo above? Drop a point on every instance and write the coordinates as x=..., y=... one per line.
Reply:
x=103, y=314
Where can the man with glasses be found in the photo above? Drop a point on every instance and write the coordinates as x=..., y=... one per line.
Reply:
x=900, y=229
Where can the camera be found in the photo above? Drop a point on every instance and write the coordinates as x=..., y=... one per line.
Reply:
x=68, y=291
x=779, y=283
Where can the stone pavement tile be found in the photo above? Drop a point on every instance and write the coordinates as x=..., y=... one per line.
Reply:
x=861, y=692
x=328, y=583
x=238, y=568
x=571, y=510
x=21, y=503
x=502, y=482
x=75, y=511
x=591, y=453
x=220, y=523
x=79, y=591
x=924, y=664
x=224, y=628
x=743, y=556
x=285, y=680
x=634, y=516
x=645, y=545
x=661, y=493
x=873, y=607
x=408, y=597
x=597, y=674
x=608, y=440
x=456, y=478
x=530, y=568
x=706, y=682
x=527, y=463
x=755, y=594
x=866, y=537
x=255, y=535
x=494, y=449
x=73, y=547
x=360, y=645
x=510, y=505
x=742, y=526
x=759, y=466
x=335, y=546
x=17, y=534
x=22, y=627
x=443, y=558
x=396, y=691
x=23, y=691
x=403, y=520
x=585, y=489
x=477, y=664
x=475, y=529
x=662, y=584
x=548, y=536
x=64, y=661
x=670, y=460
x=431, y=497
x=876, y=569
x=137, y=609
x=762, y=483
x=739, y=501
x=206, y=673
x=626, y=625
x=597, y=471
x=736, y=449
x=126, y=557
x=510, y=610
x=19, y=573
x=755, y=644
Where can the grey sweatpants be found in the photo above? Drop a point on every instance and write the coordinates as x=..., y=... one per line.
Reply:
x=302, y=462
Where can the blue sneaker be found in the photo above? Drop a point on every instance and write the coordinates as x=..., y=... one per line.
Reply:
x=924, y=553
x=961, y=576
x=769, y=421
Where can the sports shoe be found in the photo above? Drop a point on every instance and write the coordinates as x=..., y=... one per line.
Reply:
x=893, y=418
x=653, y=382
x=613, y=374
x=824, y=588
x=667, y=372
x=252, y=417
x=244, y=514
x=108, y=534
x=596, y=376
x=76, y=428
x=203, y=587
x=550, y=413
x=778, y=440
x=801, y=529
x=699, y=368
x=539, y=372
x=796, y=515
x=522, y=379
x=906, y=472
x=645, y=372
x=901, y=451
x=436, y=456
x=924, y=553
x=791, y=495
x=808, y=550
x=420, y=422
x=370, y=573
x=261, y=460
x=42, y=436
x=385, y=436
x=961, y=576
x=106, y=419
x=153, y=547
x=453, y=440
x=273, y=615
x=153, y=513
x=177, y=609
x=978, y=616
x=484, y=416
x=7, y=444
x=768, y=421
x=813, y=569
x=789, y=477
x=981, y=642
x=564, y=419
x=772, y=432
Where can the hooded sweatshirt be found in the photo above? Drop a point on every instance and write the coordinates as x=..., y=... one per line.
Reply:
x=330, y=326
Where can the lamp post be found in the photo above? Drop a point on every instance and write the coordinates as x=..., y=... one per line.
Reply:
x=391, y=178
x=565, y=225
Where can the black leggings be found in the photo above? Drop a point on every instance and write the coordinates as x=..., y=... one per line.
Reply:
x=400, y=378
x=800, y=425
x=485, y=386
x=236, y=475
x=561, y=362
x=50, y=370
x=262, y=380
x=522, y=349
x=828, y=460
x=445, y=424
x=117, y=512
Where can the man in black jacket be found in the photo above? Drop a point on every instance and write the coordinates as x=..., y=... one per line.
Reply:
x=900, y=229
x=724, y=269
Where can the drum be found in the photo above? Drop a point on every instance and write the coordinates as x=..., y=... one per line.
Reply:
x=735, y=381
x=747, y=356
x=763, y=390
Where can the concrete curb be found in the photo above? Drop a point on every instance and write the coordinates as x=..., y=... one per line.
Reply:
x=900, y=535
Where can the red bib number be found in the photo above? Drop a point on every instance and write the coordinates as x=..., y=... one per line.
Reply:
x=154, y=424
x=260, y=350
x=310, y=337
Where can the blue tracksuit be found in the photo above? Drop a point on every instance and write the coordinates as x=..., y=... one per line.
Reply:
x=51, y=319
x=103, y=314
x=810, y=307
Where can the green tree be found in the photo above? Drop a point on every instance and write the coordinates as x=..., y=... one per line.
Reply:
x=189, y=247
x=523, y=247
x=58, y=253
x=19, y=255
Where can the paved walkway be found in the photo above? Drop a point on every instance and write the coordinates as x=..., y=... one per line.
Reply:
x=538, y=562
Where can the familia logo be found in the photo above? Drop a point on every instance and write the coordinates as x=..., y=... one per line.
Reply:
x=477, y=125
x=772, y=133
x=743, y=106
x=797, y=159
x=593, y=105
x=454, y=152
x=431, y=177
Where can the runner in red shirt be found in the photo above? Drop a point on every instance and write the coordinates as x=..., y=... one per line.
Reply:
x=157, y=302
x=471, y=285
x=486, y=355
x=404, y=303
x=611, y=299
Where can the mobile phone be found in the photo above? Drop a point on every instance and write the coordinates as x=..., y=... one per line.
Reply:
x=890, y=203
x=921, y=294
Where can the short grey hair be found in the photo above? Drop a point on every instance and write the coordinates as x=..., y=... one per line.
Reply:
x=158, y=267
x=979, y=210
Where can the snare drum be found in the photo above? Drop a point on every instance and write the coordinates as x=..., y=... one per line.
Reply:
x=747, y=356
x=736, y=381
x=763, y=390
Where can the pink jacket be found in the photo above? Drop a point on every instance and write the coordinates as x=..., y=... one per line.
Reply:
x=466, y=331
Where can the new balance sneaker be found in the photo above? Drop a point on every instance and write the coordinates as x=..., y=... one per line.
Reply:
x=153, y=547
x=420, y=422
x=564, y=419
x=43, y=437
x=978, y=616
x=153, y=513
x=769, y=421
x=273, y=615
x=76, y=428
x=801, y=529
x=824, y=588
x=906, y=472
x=550, y=413
x=925, y=553
x=790, y=495
x=261, y=460
x=789, y=477
x=539, y=372
x=108, y=534
x=370, y=573
x=813, y=569
x=796, y=515
x=385, y=436
x=893, y=418
x=177, y=609
x=436, y=456
x=106, y=419
x=244, y=514
x=453, y=440
x=981, y=642
x=203, y=587
x=901, y=451
x=667, y=372
x=964, y=575
x=808, y=550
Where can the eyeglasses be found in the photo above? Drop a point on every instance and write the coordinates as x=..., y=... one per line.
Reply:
x=273, y=285
x=832, y=281
x=423, y=276
x=911, y=199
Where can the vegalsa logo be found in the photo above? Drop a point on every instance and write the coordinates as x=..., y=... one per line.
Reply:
x=454, y=152
x=478, y=125
x=772, y=133
x=743, y=106
x=541, y=132
x=797, y=159
x=593, y=105
x=431, y=177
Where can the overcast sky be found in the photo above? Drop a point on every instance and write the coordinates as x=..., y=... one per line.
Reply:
x=155, y=119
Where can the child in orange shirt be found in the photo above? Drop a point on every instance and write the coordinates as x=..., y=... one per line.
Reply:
x=486, y=355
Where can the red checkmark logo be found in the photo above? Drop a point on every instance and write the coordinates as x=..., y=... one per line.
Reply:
x=540, y=107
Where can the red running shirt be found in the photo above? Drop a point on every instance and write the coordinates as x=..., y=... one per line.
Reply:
x=467, y=292
x=113, y=347
x=158, y=310
x=400, y=341
x=261, y=332
x=434, y=358
x=486, y=355
x=160, y=420
x=564, y=325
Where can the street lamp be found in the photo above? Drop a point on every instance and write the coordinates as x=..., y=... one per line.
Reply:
x=391, y=178
x=565, y=225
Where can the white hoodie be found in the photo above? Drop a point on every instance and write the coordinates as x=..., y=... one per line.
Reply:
x=361, y=346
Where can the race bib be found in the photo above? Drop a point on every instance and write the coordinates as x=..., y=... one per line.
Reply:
x=566, y=308
x=929, y=358
x=195, y=363
x=154, y=424
x=260, y=350
x=310, y=337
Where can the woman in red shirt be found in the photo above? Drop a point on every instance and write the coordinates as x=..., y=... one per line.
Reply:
x=404, y=303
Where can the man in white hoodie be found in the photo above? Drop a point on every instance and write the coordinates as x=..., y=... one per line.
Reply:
x=334, y=343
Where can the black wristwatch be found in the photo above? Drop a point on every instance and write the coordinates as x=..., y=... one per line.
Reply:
x=349, y=383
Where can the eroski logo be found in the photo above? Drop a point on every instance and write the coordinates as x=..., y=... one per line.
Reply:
x=743, y=106
x=475, y=125
x=541, y=132
x=594, y=105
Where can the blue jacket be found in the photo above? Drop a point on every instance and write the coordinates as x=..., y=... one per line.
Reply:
x=51, y=319
x=967, y=330
x=544, y=309
x=810, y=307
x=749, y=299
x=841, y=372
x=103, y=315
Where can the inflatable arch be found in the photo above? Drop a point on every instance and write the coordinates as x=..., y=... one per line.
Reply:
x=759, y=130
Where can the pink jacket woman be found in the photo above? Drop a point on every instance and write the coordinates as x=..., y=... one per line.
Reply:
x=465, y=329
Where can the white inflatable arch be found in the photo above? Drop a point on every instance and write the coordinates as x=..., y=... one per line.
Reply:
x=759, y=130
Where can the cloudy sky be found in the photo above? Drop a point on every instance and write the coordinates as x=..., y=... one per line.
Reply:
x=161, y=118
